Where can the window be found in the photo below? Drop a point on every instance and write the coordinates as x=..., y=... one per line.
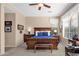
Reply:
x=54, y=23
x=66, y=27
x=73, y=25
x=70, y=26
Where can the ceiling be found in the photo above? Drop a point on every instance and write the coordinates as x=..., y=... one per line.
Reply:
x=56, y=9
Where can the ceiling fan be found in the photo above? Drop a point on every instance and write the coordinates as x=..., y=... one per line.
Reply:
x=40, y=5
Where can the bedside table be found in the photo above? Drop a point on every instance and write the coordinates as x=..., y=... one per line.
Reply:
x=27, y=36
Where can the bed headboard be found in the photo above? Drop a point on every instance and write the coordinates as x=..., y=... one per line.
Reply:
x=42, y=29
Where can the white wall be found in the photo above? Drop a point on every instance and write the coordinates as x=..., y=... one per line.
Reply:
x=20, y=19
x=36, y=22
x=14, y=38
x=10, y=36
x=2, y=34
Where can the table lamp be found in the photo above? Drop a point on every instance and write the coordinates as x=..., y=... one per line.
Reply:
x=55, y=31
x=29, y=30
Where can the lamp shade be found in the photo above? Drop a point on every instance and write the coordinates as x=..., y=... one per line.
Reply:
x=55, y=31
x=29, y=29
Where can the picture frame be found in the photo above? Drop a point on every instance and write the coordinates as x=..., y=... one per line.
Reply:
x=8, y=29
x=20, y=27
x=8, y=23
x=8, y=26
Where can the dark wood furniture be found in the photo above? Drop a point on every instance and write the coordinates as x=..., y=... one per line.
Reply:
x=30, y=42
x=45, y=29
x=27, y=36
x=71, y=51
x=73, y=48
x=42, y=29
x=74, y=42
x=68, y=50
x=43, y=45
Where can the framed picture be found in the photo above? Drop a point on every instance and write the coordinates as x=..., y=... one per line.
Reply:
x=8, y=26
x=20, y=27
x=8, y=23
x=8, y=29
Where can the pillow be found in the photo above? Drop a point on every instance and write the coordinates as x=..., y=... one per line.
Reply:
x=40, y=34
x=49, y=33
x=36, y=33
x=45, y=33
x=77, y=43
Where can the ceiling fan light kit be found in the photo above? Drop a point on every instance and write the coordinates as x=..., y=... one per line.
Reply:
x=40, y=5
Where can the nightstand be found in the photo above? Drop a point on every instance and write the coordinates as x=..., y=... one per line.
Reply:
x=27, y=36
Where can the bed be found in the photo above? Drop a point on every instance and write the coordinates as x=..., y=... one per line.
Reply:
x=42, y=35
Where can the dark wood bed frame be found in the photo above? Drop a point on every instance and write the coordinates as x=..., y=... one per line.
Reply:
x=31, y=41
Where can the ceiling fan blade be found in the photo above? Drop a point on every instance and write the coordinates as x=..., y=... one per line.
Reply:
x=39, y=8
x=34, y=4
x=47, y=6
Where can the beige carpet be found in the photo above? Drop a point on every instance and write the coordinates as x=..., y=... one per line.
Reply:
x=21, y=51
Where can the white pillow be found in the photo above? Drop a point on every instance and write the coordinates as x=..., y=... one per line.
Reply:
x=36, y=33
x=49, y=33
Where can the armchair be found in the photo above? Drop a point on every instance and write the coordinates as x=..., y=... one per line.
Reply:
x=75, y=40
x=75, y=43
